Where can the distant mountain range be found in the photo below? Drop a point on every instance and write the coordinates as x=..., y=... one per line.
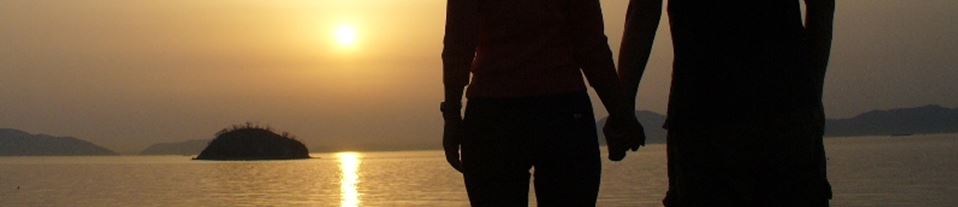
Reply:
x=930, y=119
x=189, y=147
x=19, y=143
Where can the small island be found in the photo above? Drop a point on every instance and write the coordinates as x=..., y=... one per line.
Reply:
x=249, y=142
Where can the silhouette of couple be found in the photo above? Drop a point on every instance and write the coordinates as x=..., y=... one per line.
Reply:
x=745, y=117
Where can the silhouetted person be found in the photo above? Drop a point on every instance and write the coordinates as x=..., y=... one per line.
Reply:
x=745, y=118
x=528, y=106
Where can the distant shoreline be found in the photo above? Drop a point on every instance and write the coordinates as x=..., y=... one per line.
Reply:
x=314, y=153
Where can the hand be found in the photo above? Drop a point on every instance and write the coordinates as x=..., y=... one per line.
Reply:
x=452, y=134
x=623, y=133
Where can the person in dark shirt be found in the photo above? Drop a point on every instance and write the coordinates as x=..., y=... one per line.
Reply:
x=527, y=101
x=745, y=118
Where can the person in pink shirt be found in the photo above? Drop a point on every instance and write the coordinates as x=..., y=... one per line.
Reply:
x=527, y=101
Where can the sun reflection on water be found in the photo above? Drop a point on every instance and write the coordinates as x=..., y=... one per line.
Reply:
x=349, y=168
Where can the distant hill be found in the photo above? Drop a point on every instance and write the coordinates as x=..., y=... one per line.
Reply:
x=189, y=147
x=18, y=143
x=251, y=142
x=652, y=123
x=928, y=119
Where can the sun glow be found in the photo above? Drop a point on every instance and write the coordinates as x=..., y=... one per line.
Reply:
x=346, y=35
x=349, y=167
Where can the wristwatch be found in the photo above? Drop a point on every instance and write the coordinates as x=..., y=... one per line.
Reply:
x=450, y=111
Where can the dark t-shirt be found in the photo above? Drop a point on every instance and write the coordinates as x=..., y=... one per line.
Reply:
x=739, y=62
x=745, y=115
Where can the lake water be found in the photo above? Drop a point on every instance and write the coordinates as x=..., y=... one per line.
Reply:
x=864, y=171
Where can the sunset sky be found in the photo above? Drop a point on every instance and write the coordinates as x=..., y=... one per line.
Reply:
x=343, y=73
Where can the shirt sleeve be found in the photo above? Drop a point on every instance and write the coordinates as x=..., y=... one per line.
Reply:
x=592, y=51
x=460, y=41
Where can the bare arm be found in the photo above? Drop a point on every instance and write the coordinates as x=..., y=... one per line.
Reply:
x=818, y=30
x=641, y=22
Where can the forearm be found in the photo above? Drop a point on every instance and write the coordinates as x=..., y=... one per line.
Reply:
x=454, y=95
x=819, y=25
x=600, y=73
x=642, y=21
x=613, y=97
x=455, y=75
x=820, y=17
x=459, y=47
x=818, y=31
x=594, y=56
x=596, y=64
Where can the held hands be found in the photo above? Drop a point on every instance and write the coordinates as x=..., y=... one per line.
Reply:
x=622, y=133
x=452, y=134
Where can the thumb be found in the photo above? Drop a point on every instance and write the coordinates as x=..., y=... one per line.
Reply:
x=453, y=159
x=615, y=154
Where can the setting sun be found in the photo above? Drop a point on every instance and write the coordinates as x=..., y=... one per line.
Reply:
x=346, y=35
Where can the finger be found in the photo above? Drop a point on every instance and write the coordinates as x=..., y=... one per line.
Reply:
x=638, y=142
x=452, y=157
x=615, y=152
x=643, y=139
x=616, y=156
x=455, y=163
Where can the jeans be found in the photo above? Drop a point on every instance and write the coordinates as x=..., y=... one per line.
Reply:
x=555, y=136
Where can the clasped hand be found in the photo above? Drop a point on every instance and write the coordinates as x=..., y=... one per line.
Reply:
x=623, y=133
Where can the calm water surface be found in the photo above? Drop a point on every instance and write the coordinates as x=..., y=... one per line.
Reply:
x=865, y=171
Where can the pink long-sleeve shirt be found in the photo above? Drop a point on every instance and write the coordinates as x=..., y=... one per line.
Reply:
x=516, y=48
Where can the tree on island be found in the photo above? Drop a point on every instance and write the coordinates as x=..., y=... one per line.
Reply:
x=252, y=142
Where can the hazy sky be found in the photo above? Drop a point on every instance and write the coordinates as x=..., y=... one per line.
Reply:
x=128, y=73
